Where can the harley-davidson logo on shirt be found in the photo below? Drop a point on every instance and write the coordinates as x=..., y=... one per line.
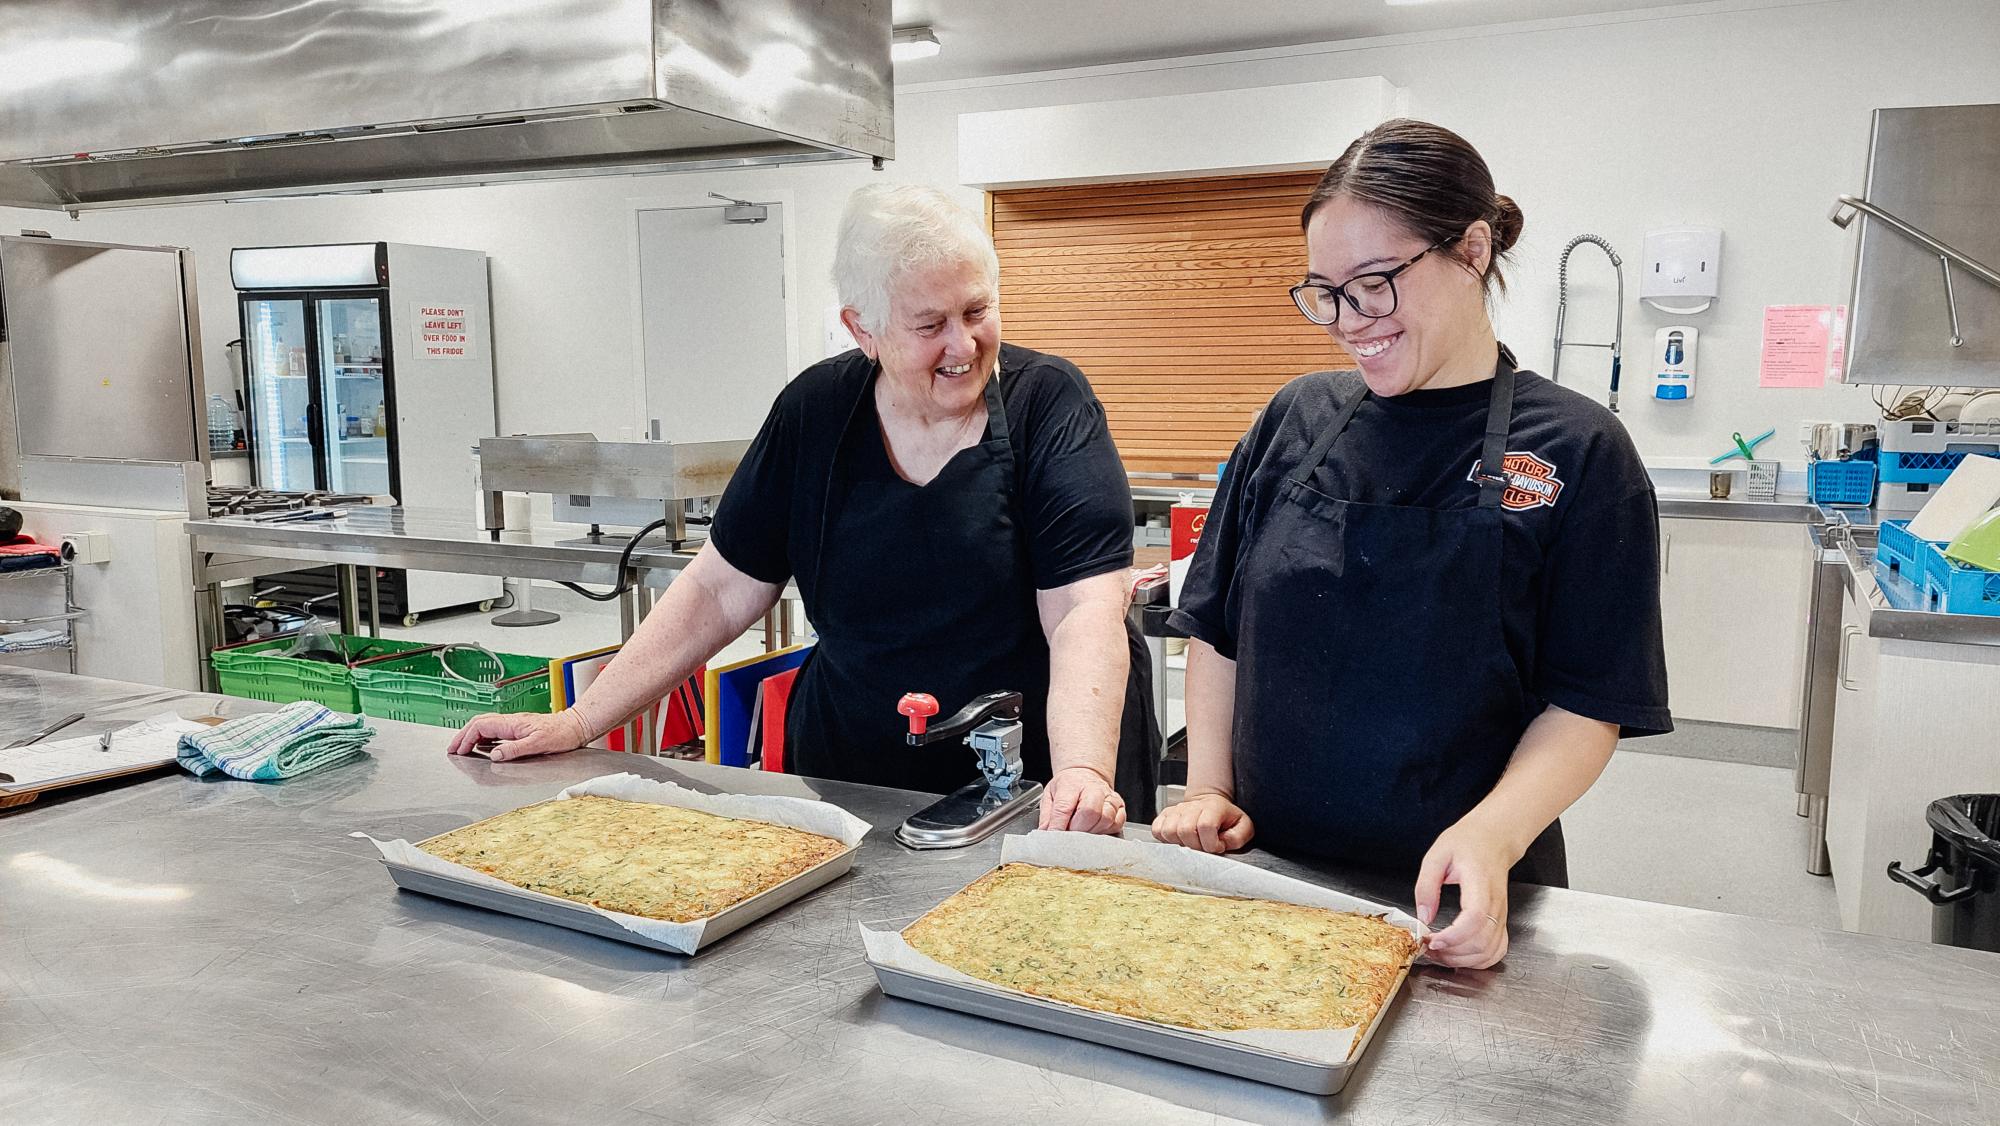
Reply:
x=1530, y=481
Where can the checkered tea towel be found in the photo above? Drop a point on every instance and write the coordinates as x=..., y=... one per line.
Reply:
x=298, y=738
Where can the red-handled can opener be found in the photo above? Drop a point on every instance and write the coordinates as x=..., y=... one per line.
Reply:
x=991, y=726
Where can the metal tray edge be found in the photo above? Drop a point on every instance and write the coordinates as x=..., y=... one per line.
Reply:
x=577, y=917
x=1242, y=1061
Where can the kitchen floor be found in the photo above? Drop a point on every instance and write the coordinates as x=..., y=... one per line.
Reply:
x=1704, y=817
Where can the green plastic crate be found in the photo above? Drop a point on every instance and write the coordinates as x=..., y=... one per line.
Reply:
x=260, y=671
x=416, y=689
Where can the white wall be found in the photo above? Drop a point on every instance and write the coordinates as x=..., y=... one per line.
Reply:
x=1742, y=115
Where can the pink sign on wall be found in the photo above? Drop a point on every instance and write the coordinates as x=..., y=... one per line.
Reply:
x=1804, y=345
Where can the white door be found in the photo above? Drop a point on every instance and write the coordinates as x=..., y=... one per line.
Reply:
x=716, y=331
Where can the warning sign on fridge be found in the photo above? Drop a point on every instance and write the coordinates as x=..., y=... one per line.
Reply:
x=444, y=332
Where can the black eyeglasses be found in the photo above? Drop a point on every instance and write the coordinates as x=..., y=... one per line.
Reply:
x=1371, y=295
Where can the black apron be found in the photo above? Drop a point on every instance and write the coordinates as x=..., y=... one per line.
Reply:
x=1376, y=702
x=930, y=589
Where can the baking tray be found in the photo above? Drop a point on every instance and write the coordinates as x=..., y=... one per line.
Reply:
x=577, y=917
x=1145, y=1037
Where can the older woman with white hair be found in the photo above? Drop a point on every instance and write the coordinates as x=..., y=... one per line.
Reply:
x=957, y=521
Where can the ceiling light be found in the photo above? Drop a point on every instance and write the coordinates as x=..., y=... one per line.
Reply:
x=913, y=43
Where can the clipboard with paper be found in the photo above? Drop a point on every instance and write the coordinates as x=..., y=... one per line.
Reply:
x=28, y=772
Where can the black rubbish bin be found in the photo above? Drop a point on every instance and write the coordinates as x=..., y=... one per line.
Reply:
x=1961, y=876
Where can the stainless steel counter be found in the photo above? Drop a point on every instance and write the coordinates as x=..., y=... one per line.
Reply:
x=1786, y=509
x=425, y=540
x=224, y=952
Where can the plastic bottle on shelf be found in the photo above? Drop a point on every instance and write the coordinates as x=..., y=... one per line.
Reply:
x=221, y=423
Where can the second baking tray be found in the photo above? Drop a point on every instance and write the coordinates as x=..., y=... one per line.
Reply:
x=1165, y=1041
x=578, y=917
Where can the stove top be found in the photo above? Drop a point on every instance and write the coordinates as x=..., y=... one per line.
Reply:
x=248, y=500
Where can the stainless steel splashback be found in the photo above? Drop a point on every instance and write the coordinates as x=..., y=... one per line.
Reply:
x=1937, y=169
x=112, y=103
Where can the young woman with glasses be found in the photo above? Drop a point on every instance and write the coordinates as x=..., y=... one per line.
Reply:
x=1426, y=602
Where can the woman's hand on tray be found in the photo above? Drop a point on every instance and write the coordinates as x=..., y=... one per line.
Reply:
x=1081, y=800
x=512, y=735
x=1477, y=861
x=1208, y=821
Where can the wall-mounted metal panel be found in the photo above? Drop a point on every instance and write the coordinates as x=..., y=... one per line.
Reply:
x=98, y=353
x=1937, y=169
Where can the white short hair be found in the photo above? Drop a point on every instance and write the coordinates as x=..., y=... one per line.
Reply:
x=888, y=229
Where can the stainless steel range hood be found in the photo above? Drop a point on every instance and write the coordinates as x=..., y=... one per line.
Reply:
x=115, y=104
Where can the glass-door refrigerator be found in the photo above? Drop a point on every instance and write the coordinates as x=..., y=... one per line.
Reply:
x=347, y=349
x=319, y=393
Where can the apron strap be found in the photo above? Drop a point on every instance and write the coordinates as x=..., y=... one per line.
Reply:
x=1499, y=415
x=1493, y=451
x=834, y=477
x=996, y=410
x=1303, y=474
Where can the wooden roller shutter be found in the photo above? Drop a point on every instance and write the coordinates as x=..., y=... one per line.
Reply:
x=1171, y=296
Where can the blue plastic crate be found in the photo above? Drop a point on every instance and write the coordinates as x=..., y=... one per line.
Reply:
x=1841, y=482
x=1903, y=552
x=1897, y=591
x=1956, y=588
x=1906, y=467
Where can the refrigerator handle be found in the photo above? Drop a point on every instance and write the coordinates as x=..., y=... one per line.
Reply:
x=313, y=422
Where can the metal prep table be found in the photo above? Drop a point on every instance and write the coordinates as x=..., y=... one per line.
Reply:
x=416, y=538
x=426, y=540
x=175, y=950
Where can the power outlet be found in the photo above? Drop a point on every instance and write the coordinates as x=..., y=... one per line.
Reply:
x=86, y=547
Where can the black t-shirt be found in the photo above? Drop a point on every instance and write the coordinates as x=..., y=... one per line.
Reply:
x=1580, y=596
x=1075, y=500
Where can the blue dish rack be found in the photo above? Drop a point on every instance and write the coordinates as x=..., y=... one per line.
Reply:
x=1905, y=466
x=1841, y=482
x=1956, y=588
x=1897, y=550
x=1947, y=586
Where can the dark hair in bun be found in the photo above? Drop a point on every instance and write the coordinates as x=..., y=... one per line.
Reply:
x=1430, y=178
